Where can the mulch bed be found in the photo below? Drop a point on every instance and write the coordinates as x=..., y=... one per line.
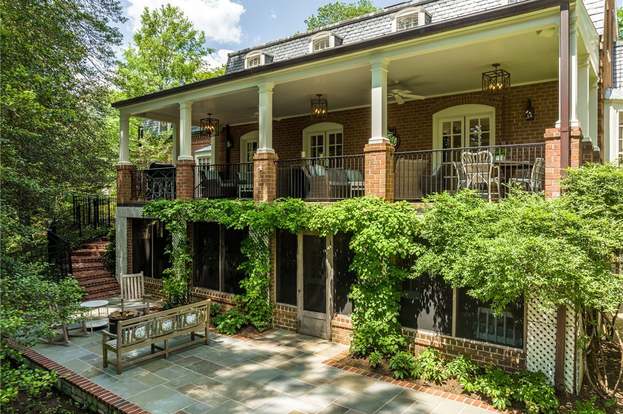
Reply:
x=52, y=402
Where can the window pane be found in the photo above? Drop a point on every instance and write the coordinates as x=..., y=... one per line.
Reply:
x=314, y=274
x=150, y=241
x=476, y=320
x=286, y=267
x=484, y=124
x=232, y=258
x=343, y=277
x=426, y=303
x=206, y=255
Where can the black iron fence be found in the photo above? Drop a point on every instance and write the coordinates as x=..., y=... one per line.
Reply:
x=493, y=172
x=224, y=180
x=94, y=211
x=321, y=179
x=153, y=184
x=59, y=255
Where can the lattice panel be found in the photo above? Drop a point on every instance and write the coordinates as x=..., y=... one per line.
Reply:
x=570, y=349
x=541, y=341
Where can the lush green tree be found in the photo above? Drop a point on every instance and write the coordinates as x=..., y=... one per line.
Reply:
x=167, y=51
x=54, y=102
x=337, y=12
x=620, y=21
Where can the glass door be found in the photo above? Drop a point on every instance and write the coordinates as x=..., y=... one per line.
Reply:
x=479, y=131
x=313, y=279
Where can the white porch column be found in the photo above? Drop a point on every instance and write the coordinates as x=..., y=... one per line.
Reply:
x=379, y=103
x=583, y=91
x=266, y=117
x=124, y=139
x=592, y=110
x=573, y=76
x=175, y=144
x=185, y=127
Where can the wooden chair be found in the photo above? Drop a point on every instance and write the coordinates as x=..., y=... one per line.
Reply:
x=479, y=173
x=133, y=295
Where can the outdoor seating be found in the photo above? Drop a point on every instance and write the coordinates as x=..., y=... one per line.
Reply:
x=245, y=183
x=534, y=182
x=132, y=288
x=155, y=331
x=316, y=175
x=356, y=183
x=461, y=180
x=480, y=173
x=409, y=174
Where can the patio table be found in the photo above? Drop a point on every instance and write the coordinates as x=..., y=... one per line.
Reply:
x=96, y=305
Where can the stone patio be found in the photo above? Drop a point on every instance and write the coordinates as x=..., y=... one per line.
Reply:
x=280, y=372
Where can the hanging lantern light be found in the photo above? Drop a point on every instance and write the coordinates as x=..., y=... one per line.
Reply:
x=319, y=107
x=208, y=126
x=496, y=80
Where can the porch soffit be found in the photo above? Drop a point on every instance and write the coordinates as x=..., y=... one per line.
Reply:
x=446, y=35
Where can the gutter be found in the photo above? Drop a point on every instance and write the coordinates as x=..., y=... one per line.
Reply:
x=430, y=29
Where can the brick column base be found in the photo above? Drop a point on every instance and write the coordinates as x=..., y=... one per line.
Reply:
x=184, y=180
x=265, y=176
x=379, y=170
x=553, y=172
x=124, y=183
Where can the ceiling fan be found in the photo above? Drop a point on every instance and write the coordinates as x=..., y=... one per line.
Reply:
x=400, y=93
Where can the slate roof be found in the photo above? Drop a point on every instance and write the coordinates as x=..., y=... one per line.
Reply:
x=378, y=24
x=617, y=72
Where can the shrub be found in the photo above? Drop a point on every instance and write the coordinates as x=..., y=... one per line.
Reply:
x=402, y=365
x=110, y=255
x=230, y=322
x=215, y=310
x=587, y=407
x=462, y=368
x=429, y=366
x=535, y=392
x=495, y=384
x=375, y=359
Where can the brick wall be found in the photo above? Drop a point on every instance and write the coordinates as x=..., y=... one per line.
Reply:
x=284, y=316
x=414, y=121
x=184, y=180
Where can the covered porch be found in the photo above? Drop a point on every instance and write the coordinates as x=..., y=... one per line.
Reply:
x=422, y=103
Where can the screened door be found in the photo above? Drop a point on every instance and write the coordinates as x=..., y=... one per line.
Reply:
x=312, y=283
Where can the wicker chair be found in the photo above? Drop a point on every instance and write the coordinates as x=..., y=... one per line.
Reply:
x=534, y=182
x=480, y=173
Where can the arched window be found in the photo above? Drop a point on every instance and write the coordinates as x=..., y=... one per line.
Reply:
x=324, y=139
x=248, y=146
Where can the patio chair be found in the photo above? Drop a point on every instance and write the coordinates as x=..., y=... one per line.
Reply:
x=480, y=173
x=245, y=183
x=316, y=175
x=132, y=287
x=461, y=180
x=210, y=184
x=356, y=183
x=338, y=183
x=534, y=182
x=409, y=176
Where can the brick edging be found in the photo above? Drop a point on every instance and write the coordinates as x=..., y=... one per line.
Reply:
x=335, y=362
x=100, y=393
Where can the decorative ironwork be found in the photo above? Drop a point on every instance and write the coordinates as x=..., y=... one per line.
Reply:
x=319, y=107
x=153, y=184
x=59, y=255
x=496, y=80
x=209, y=126
x=92, y=211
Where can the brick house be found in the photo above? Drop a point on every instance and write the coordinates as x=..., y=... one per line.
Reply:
x=384, y=104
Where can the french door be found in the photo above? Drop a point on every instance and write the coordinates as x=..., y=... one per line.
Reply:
x=464, y=132
x=325, y=144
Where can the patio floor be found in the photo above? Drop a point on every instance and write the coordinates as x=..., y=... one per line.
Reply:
x=280, y=372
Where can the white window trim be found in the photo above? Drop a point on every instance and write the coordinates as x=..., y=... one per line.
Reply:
x=462, y=111
x=252, y=55
x=320, y=128
x=244, y=140
x=321, y=36
x=419, y=12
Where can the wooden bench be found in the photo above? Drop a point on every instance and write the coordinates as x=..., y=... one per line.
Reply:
x=156, y=331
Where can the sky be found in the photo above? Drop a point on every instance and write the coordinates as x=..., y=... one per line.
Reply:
x=235, y=24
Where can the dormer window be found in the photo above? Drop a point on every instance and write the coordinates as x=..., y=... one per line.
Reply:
x=322, y=41
x=411, y=18
x=255, y=59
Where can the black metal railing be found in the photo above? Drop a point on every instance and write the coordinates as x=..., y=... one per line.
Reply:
x=422, y=173
x=59, y=255
x=224, y=180
x=153, y=184
x=94, y=211
x=321, y=179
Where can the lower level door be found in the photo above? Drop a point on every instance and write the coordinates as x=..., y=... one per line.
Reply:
x=313, y=283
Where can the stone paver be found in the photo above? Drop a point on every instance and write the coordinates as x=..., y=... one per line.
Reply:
x=280, y=372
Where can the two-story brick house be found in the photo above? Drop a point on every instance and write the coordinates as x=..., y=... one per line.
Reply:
x=384, y=105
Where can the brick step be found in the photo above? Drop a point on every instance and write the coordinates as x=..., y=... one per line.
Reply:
x=81, y=266
x=94, y=246
x=91, y=274
x=95, y=282
x=86, y=252
x=100, y=295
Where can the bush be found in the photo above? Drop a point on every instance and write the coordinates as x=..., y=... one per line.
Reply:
x=535, y=392
x=430, y=367
x=215, y=310
x=495, y=384
x=462, y=368
x=230, y=322
x=587, y=407
x=375, y=359
x=402, y=365
x=110, y=255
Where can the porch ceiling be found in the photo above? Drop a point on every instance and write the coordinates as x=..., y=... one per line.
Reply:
x=529, y=57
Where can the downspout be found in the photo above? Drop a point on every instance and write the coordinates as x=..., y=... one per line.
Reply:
x=565, y=149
